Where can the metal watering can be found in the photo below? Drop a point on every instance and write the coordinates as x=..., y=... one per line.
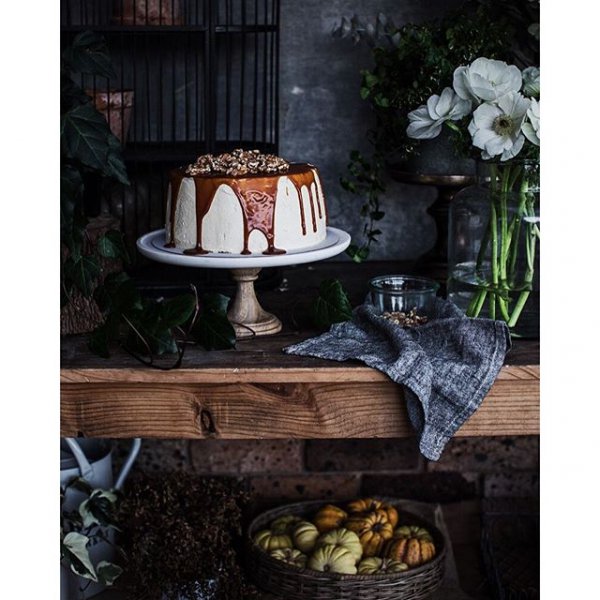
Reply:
x=90, y=459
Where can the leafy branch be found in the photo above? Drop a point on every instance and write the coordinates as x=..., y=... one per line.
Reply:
x=146, y=328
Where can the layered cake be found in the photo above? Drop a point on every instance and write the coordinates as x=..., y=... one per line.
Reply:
x=245, y=202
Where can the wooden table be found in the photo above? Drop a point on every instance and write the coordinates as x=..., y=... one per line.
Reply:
x=256, y=391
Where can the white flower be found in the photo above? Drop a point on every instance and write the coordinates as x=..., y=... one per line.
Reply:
x=487, y=80
x=427, y=120
x=531, y=128
x=496, y=128
x=531, y=82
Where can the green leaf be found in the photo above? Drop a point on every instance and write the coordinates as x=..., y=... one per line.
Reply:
x=213, y=331
x=83, y=272
x=84, y=135
x=377, y=215
x=108, y=572
x=118, y=294
x=74, y=551
x=332, y=304
x=116, y=166
x=89, y=54
x=178, y=310
x=99, y=508
x=111, y=245
x=216, y=302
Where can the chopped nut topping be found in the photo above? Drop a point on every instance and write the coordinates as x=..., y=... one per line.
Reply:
x=412, y=319
x=238, y=162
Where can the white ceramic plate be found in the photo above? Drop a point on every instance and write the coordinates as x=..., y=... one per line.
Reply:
x=152, y=245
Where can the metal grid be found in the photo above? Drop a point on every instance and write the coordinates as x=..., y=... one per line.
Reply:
x=192, y=76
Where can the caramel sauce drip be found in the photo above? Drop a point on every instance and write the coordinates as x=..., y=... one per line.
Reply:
x=256, y=195
x=176, y=179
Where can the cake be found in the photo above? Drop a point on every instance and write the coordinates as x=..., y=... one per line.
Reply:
x=245, y=202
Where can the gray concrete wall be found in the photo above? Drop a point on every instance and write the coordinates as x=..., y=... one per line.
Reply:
x=322, y=116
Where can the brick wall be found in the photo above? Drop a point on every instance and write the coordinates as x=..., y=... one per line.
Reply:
x=290, y=470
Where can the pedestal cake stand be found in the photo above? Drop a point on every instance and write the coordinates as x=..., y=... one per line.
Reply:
x=246, y=314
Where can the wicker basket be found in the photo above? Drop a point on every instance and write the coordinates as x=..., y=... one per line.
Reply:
x=294, y=583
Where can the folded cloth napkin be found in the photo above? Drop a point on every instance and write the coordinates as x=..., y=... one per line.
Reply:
x=447, y=365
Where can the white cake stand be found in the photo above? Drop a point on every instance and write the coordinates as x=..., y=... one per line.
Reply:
x=246, y=314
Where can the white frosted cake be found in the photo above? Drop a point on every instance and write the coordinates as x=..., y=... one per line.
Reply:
x=245, y=202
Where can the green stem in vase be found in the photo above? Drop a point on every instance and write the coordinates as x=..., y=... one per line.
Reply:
x=530, y=246
x=476, y=304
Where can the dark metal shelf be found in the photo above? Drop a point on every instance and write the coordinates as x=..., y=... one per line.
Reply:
x=170, y=29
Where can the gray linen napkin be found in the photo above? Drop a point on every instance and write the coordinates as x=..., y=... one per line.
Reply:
x=446, y=365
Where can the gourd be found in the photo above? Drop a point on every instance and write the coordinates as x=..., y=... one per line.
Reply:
x=268, y=540
x=332, y=559
x=412, y=545
x=373, y=529
x=377, y=566
x=344, y=538
x=291, y=556
x=368, y=505
x=305, y=536
x=285, y=524
x=329, y=517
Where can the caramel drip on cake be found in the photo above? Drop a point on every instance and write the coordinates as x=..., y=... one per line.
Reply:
x=306, y=178
x=257, y=198
x=176, y=179
x=258, y=207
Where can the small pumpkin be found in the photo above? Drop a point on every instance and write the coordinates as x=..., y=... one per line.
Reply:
x=377, y=566
x=344, y=538
x=291, y=556
x=369, y=505
x=412, y=545
x=285, y=524
x=373, y=529
x=332, y=559
x=305, y=536
x=329, y=517
x=268, y=540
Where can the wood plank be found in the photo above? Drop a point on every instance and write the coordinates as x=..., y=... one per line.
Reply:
x=258, y=391
x=276, y=410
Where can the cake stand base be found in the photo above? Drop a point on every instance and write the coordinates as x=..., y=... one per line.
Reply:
x=246, y=315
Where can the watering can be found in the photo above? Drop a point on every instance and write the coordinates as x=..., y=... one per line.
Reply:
x=90, y=459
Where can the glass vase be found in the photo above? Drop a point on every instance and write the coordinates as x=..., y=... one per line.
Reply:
x=493, y=246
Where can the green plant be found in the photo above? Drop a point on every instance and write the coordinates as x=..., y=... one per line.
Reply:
x=91, y=523
x=143, y=327
x=331, y=305
x=88, y=149
x=410, y=63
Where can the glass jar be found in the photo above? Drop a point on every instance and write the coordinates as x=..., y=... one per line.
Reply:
x=494, y=234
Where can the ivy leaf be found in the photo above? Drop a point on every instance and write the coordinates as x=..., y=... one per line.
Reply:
x=332, y=304
x=178, y=310
x=214, y=332
x=116, y=166
x=83, y=271
x=89, y=54
x=73, y=549
x=216, y=302
x=99, y=508
x=84, y=136
x=108, y=572
x=111, y=245
x=118, y=294
x=212, y=329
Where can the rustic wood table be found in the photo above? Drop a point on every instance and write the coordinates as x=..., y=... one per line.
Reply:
x=257, y=391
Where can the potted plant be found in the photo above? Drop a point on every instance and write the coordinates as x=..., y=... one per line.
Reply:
x=183, y=538
x=411, y=62
x=87, y=542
